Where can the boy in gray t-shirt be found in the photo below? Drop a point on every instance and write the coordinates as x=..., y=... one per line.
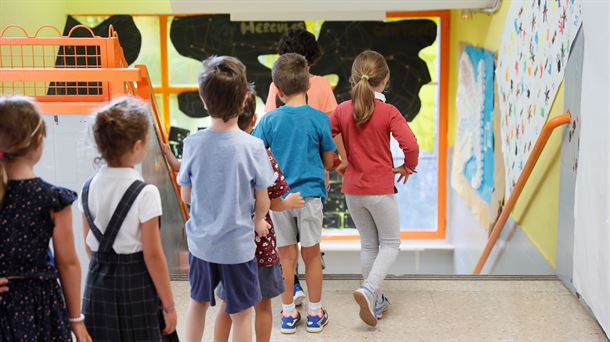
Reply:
x=222, y=170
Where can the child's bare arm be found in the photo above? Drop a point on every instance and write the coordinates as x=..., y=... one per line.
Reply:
x=185, y=194
x=171, y=159
x=157, y=268
x=68, y=267
x=262, y=204
x=292, y=201
x=85, y=233
x=328, y=160
x=342, y=154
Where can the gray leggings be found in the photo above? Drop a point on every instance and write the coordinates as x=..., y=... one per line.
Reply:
x=378, y=223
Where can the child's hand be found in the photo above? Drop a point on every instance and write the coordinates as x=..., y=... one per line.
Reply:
x=294, y=201
x=81, y=333
x=171, y=159
x=342, y=167
x=171, y=320
x=262, y=227
x=404, y=173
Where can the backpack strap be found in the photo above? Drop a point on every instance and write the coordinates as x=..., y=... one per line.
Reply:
x=119, y=215
x=85, y=202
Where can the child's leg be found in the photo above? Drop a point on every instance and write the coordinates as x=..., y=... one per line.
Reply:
x=313, y=272
x=222, y=327
x=243, y=325
x=288, y=258
x=310, y=233
x=263, y=320
x=203, y=277
x=195, y=320
x=385, y=216
x=369, y=240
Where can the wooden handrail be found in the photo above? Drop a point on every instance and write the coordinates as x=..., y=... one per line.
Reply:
x=547, y=130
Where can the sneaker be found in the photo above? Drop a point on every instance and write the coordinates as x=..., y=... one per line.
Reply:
x=299, y=294
x=381, y=306
x=366, y=299
x=316, y=323
x=289, y=323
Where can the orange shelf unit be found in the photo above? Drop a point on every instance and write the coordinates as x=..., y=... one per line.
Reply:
x=69, y=75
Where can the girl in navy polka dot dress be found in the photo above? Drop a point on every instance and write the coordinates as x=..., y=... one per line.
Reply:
x=33, y=305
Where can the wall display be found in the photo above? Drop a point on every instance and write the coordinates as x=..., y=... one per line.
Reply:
x=535, y=46
x=472, y=174
x=194, y=38
x=199, y=37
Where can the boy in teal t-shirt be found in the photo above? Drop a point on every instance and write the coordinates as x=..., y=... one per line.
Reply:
x=300, y=138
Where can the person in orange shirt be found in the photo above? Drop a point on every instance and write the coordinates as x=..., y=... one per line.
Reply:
x=320, y=94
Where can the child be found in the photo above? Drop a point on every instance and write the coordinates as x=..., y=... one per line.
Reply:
x=128, y=271
x=269, y=269
x=319, y=96
x=32, y=212
x=299, y=136
x=365, y=123
x=222, y=170
x=320, y=93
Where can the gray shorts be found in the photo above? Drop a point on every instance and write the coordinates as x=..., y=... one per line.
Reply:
x=270, y=280
x=302, y=225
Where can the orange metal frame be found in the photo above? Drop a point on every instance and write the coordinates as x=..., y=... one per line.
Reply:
x=112, y=72
x=166, y=90
x=445, y=33
x=547, y=130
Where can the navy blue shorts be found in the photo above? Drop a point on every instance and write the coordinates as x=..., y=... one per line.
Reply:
x=240, y=281
x=270, y=281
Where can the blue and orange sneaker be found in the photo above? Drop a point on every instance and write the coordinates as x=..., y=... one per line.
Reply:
x=316, y=323
x=290, y=322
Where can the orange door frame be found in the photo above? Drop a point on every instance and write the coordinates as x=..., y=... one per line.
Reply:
x=166, y=90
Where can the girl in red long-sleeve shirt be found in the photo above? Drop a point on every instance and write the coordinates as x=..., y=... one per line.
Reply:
x=365, y=124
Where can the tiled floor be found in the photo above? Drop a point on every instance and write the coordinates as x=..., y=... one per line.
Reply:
x=442, y=310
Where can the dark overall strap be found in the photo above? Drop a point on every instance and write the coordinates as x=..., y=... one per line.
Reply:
x=119, y=215
x=85, y=202
x=106, y=240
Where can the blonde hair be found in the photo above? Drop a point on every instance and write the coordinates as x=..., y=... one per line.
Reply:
x=21, y=132
x=368, y=71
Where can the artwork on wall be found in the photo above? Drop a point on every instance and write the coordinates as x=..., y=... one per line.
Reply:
x=475, y=158
x=194, y=38
x=199, y=37
x=535, y=46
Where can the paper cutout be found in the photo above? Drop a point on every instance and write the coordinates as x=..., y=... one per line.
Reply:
x=473, y=163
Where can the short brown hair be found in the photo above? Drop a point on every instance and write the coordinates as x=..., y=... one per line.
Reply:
x=21, y=131
x=223, y=86
x=290, y=73
x=118, y=126
x=245, y=118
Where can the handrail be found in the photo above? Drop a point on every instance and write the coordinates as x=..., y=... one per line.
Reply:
x=548, y=128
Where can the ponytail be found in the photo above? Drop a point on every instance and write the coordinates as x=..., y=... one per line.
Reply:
x=368, y=71
x=363, y=99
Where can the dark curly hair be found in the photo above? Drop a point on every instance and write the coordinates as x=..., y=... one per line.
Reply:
x=302, y=42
